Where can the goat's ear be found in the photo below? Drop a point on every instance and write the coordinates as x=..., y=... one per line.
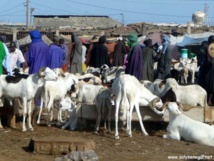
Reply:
x=180, y=106
x=163, y=82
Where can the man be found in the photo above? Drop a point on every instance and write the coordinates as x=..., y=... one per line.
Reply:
x=164, y=62
x=6, y=62
x=76, y=55
x=38, y=53
x=135, y=61
x=55, y=55
x=119, y=53
x=149, y=56
x=65, y=54
x=99, y=54
x=15, y=56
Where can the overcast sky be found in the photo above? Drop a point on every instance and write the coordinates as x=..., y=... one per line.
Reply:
x=127, y=11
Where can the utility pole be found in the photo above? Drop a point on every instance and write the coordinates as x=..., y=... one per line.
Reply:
x=122, y=15
x=31, y=11
x=27, y=13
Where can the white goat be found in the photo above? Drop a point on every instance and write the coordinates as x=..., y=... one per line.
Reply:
x=192, y=95
x=70, y=106
x=54, y=91
x=26, y=90
x=181, y=126
x=99, y=95
x=129, y=92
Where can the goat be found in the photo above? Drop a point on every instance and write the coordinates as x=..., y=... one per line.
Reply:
x=129, y=92
x=70, y=106
x=109, y=74
x=62, y=86
x=192, y=95
x=99, y=95
x=26, y=90
x=181, y=126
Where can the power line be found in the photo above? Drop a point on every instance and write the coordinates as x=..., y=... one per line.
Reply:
x=12, y=8
x=143, y=13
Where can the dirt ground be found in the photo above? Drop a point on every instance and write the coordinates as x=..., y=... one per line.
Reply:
x=14, y=144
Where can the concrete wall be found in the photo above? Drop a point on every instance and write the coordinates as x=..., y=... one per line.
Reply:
x=75, y=22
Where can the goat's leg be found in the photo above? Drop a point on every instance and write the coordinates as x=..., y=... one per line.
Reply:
x=29, y=115
x=193, y=77
x=140, y=119
x=174, y=135
x=40, y=111
x=99, y=106
x=24, y=103
x=109, y=118
x=117, y=105
x=129, y=119
x=0, y=124
x=59, y=116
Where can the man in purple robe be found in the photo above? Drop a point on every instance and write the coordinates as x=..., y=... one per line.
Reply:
x=135, y=60
x=56, y=55
x=38, y=53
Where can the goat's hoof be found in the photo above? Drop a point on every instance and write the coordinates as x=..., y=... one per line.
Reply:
x=37, y=123
x=117, y=137
x=130, y=135
x=24, y=130
x=31, y=129
x=146, y=134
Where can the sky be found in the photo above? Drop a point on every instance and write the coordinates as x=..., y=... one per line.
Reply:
x=124, y=11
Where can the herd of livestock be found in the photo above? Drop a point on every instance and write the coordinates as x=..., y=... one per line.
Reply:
x=109, y=88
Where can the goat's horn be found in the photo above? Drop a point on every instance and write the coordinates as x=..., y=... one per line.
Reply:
x=41, y=71
x=164, y=106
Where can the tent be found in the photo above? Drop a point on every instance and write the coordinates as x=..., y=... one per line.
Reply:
x=191, y=39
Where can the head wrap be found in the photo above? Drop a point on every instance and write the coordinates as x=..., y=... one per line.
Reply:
x=35, y=36
x=165, y=43
x=83, y=40
x=3, y=38
x=102, y=39
x=132, y=42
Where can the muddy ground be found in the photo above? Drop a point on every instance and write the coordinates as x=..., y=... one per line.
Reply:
x=14, y=144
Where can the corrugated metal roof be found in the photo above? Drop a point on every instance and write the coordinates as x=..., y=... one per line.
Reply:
x=67, y=16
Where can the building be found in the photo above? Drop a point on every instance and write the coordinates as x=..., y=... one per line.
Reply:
x=74, y=21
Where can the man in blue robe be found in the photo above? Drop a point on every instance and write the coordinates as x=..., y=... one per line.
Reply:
x=38, y=53
x=56, y=55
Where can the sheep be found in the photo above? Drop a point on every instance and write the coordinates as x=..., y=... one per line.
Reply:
x=129, y=92
x=181, y=126
x=98, y=95
x=54, y=91
x=26, y=89
x=192, y=95
x=67, y=103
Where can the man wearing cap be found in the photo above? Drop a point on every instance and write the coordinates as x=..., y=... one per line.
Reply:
x=6, y=61
x=135, y=61
x=38, y=53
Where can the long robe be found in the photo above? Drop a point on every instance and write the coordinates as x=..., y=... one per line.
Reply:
x=148, y=63
x=119, y=53
x=38, y=53
x=164, y=64
x=99, y=56
x=210, y=74
x=2, y=56
x=135, y=63
x=76, y=56
x=56, y=56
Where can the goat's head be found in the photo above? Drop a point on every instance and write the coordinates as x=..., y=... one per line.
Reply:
x=47, y=74
x=156, y=106
x=59, y=72
x=173, y=107
x=67, y=103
